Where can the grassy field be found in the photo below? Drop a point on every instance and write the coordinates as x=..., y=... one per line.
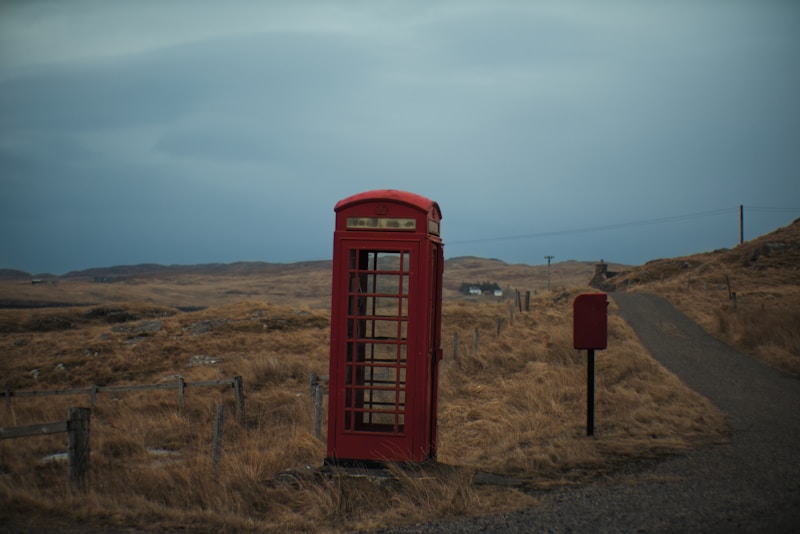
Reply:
x=515, y=408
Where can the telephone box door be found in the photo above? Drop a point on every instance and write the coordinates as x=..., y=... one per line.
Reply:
x=375, y=360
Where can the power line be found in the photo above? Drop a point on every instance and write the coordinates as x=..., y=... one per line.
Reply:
x=616, y=226
x=771, y=210
x=661, y=220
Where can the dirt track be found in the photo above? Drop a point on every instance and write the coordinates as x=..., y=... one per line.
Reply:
x=751, y=484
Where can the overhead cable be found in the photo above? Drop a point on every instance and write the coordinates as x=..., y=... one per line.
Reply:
x=616, y=226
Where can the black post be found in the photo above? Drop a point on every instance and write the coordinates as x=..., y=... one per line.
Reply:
x=590, y=395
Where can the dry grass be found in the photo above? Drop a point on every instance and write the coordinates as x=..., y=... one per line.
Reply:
x=516, y=407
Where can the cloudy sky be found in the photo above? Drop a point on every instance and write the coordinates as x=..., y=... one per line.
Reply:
x=181, y=132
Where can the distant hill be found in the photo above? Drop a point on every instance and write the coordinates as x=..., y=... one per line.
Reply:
x=12, y=274
x=470, y=268
x=303, y=283
x=517, y=276
x=145, y=270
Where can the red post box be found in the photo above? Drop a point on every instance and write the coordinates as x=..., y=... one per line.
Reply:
x=385, y=329
x=590, y=332
x=590, y=321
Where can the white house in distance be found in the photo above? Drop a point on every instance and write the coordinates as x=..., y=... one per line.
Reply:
x=473, y=290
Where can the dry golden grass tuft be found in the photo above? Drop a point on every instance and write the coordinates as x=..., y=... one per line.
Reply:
x=764, y=275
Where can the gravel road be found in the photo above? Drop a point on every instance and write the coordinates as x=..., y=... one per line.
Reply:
x=751, y=484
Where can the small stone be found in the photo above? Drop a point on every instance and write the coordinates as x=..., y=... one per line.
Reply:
x=202, y=359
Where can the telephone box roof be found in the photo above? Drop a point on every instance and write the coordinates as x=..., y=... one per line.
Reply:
x=391, y=195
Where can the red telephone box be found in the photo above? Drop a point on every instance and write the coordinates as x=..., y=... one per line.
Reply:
x=385, y=328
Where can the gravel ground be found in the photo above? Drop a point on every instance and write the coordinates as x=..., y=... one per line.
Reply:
x=751, y=484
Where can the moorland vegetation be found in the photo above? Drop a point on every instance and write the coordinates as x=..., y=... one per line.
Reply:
x=515, y=407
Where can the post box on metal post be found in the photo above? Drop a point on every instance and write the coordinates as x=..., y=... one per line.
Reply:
x=590, y=332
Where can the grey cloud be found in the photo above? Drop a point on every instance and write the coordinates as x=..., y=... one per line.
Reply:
x=516, y=117
x=270, y=74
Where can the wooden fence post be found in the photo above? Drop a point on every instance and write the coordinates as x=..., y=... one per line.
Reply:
x=181, y=394
x=312, y=382
x=527, y=301
x=238, y=388
x=78, y=451
x=219, y=423
x=455, y=346
x=318, y=412
x=499, y=325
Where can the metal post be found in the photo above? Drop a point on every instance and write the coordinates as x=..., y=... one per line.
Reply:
x=590, y=395
x=548, y=258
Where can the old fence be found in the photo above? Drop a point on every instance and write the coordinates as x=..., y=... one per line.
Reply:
x=180, y=385
x=77, y=426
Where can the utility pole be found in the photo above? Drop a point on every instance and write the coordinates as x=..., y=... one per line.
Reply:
x=741, y=224
x=548, y=258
